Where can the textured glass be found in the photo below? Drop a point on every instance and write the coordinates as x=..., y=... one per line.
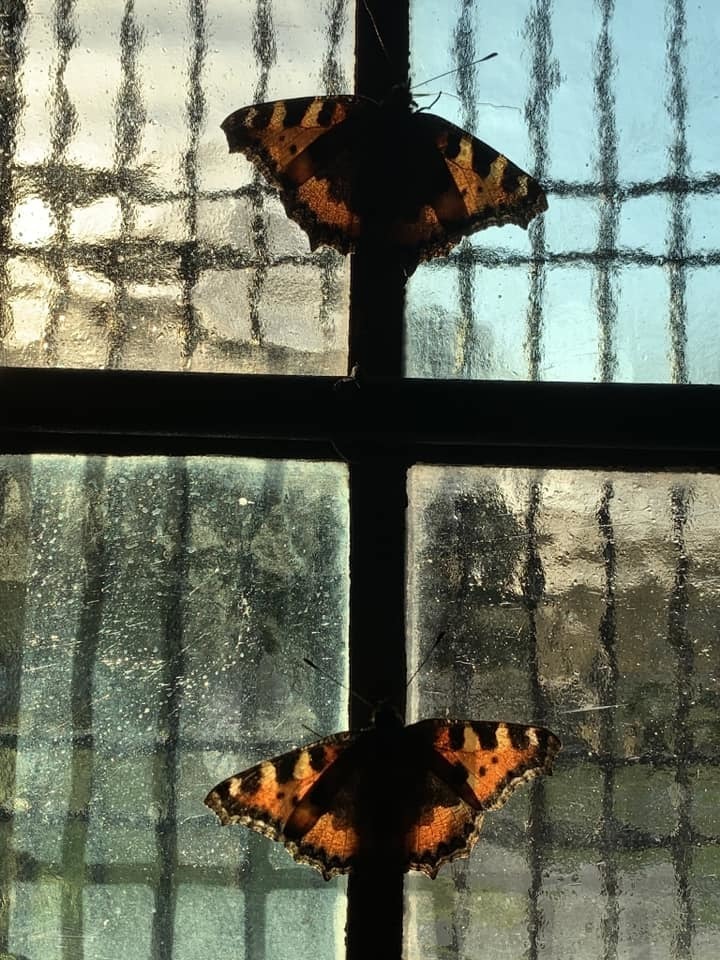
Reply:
x=129, y=237
x=611, y=106
x=590, y=603
x=155, y=614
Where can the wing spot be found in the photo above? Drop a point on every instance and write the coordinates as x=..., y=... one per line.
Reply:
x=452, y=148
x=325, y=114
x=456, y=736
x=494, y=759
x=316, y=756
x=482, y=771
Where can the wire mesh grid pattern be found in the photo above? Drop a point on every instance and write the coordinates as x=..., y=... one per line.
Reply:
x=103, y=265
x=570, y=304
x=126, y=697
x=155, y=885
x=118, y=715
x=601, y=810
x=127, y=264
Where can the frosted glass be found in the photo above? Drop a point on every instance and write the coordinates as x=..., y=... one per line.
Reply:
x=587, y=602
x=155, y=617
x=611, y=106
x=131, y=238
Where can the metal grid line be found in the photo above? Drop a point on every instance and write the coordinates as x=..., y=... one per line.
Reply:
x=130, y=118
x=265, y=50
x=533, y=589
x=659, y=760
x=12, y=55
x=544, y=75
x=465, y=53
x=628, y=839
x=334, y=82
x=195, y=111
x=168, y=723
x=679, y=221
x=680, y=640
x=605, y=293
x=13, y=605
x=75, y=829
x=108, y=260
x=61, y=134
x=606, y=676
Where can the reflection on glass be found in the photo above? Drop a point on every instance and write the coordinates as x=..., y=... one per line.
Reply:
x=155, y=616
x=587, y=602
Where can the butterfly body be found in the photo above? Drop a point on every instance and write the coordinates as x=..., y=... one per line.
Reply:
x=393, y=796
x=356, y=174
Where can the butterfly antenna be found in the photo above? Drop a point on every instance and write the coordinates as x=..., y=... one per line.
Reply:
x=377, y=32
x=425, y=659
x=449, y=73
x=338, y=683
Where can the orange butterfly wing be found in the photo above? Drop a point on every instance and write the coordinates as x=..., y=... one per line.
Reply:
x=351, y=171
x=272, y=799
x=472, y=767
x=279, y=136
x=400, y=797
x=485, y=189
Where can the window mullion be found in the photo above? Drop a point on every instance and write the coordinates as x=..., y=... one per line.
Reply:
x=377, y=496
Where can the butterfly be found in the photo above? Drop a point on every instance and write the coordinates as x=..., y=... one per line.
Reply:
x=404, y=797
x=358, y=174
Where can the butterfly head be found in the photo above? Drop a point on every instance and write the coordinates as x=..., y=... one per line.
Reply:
x=399, y=98
x=386, y=717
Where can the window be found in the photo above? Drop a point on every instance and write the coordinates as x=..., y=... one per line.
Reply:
x=193, y=500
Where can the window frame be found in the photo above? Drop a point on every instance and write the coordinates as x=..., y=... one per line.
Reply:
x=381, y=423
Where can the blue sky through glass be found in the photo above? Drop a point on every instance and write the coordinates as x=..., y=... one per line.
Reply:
x=621, y=97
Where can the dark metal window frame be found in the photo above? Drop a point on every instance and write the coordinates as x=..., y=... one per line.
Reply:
x=381, y=425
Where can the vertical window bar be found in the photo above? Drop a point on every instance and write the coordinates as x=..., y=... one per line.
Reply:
x=377, y=496
x=129, y=123
x=75, y=832
x=61, y=133
x=377, y=286
x=465, y=53
x=679, y=636
x=679, y=225
x=533, y=589
x=12, y=54
x=14, y=480
x=537, y=109
x=609, y=207
x=265, y=50
x=607, y=679
x=335, y=82
x=195, y=109
x=168, y=733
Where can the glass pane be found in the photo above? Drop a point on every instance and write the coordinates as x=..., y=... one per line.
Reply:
x=130, y=238
x=155, y=616
x=586, y=602
x=610, y=105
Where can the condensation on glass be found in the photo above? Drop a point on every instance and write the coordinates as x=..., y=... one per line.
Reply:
x=129, y=237
x=612, y=107
x=155, y=616
x=590, y=603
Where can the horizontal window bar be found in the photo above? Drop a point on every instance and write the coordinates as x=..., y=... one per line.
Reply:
x=428, y=420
